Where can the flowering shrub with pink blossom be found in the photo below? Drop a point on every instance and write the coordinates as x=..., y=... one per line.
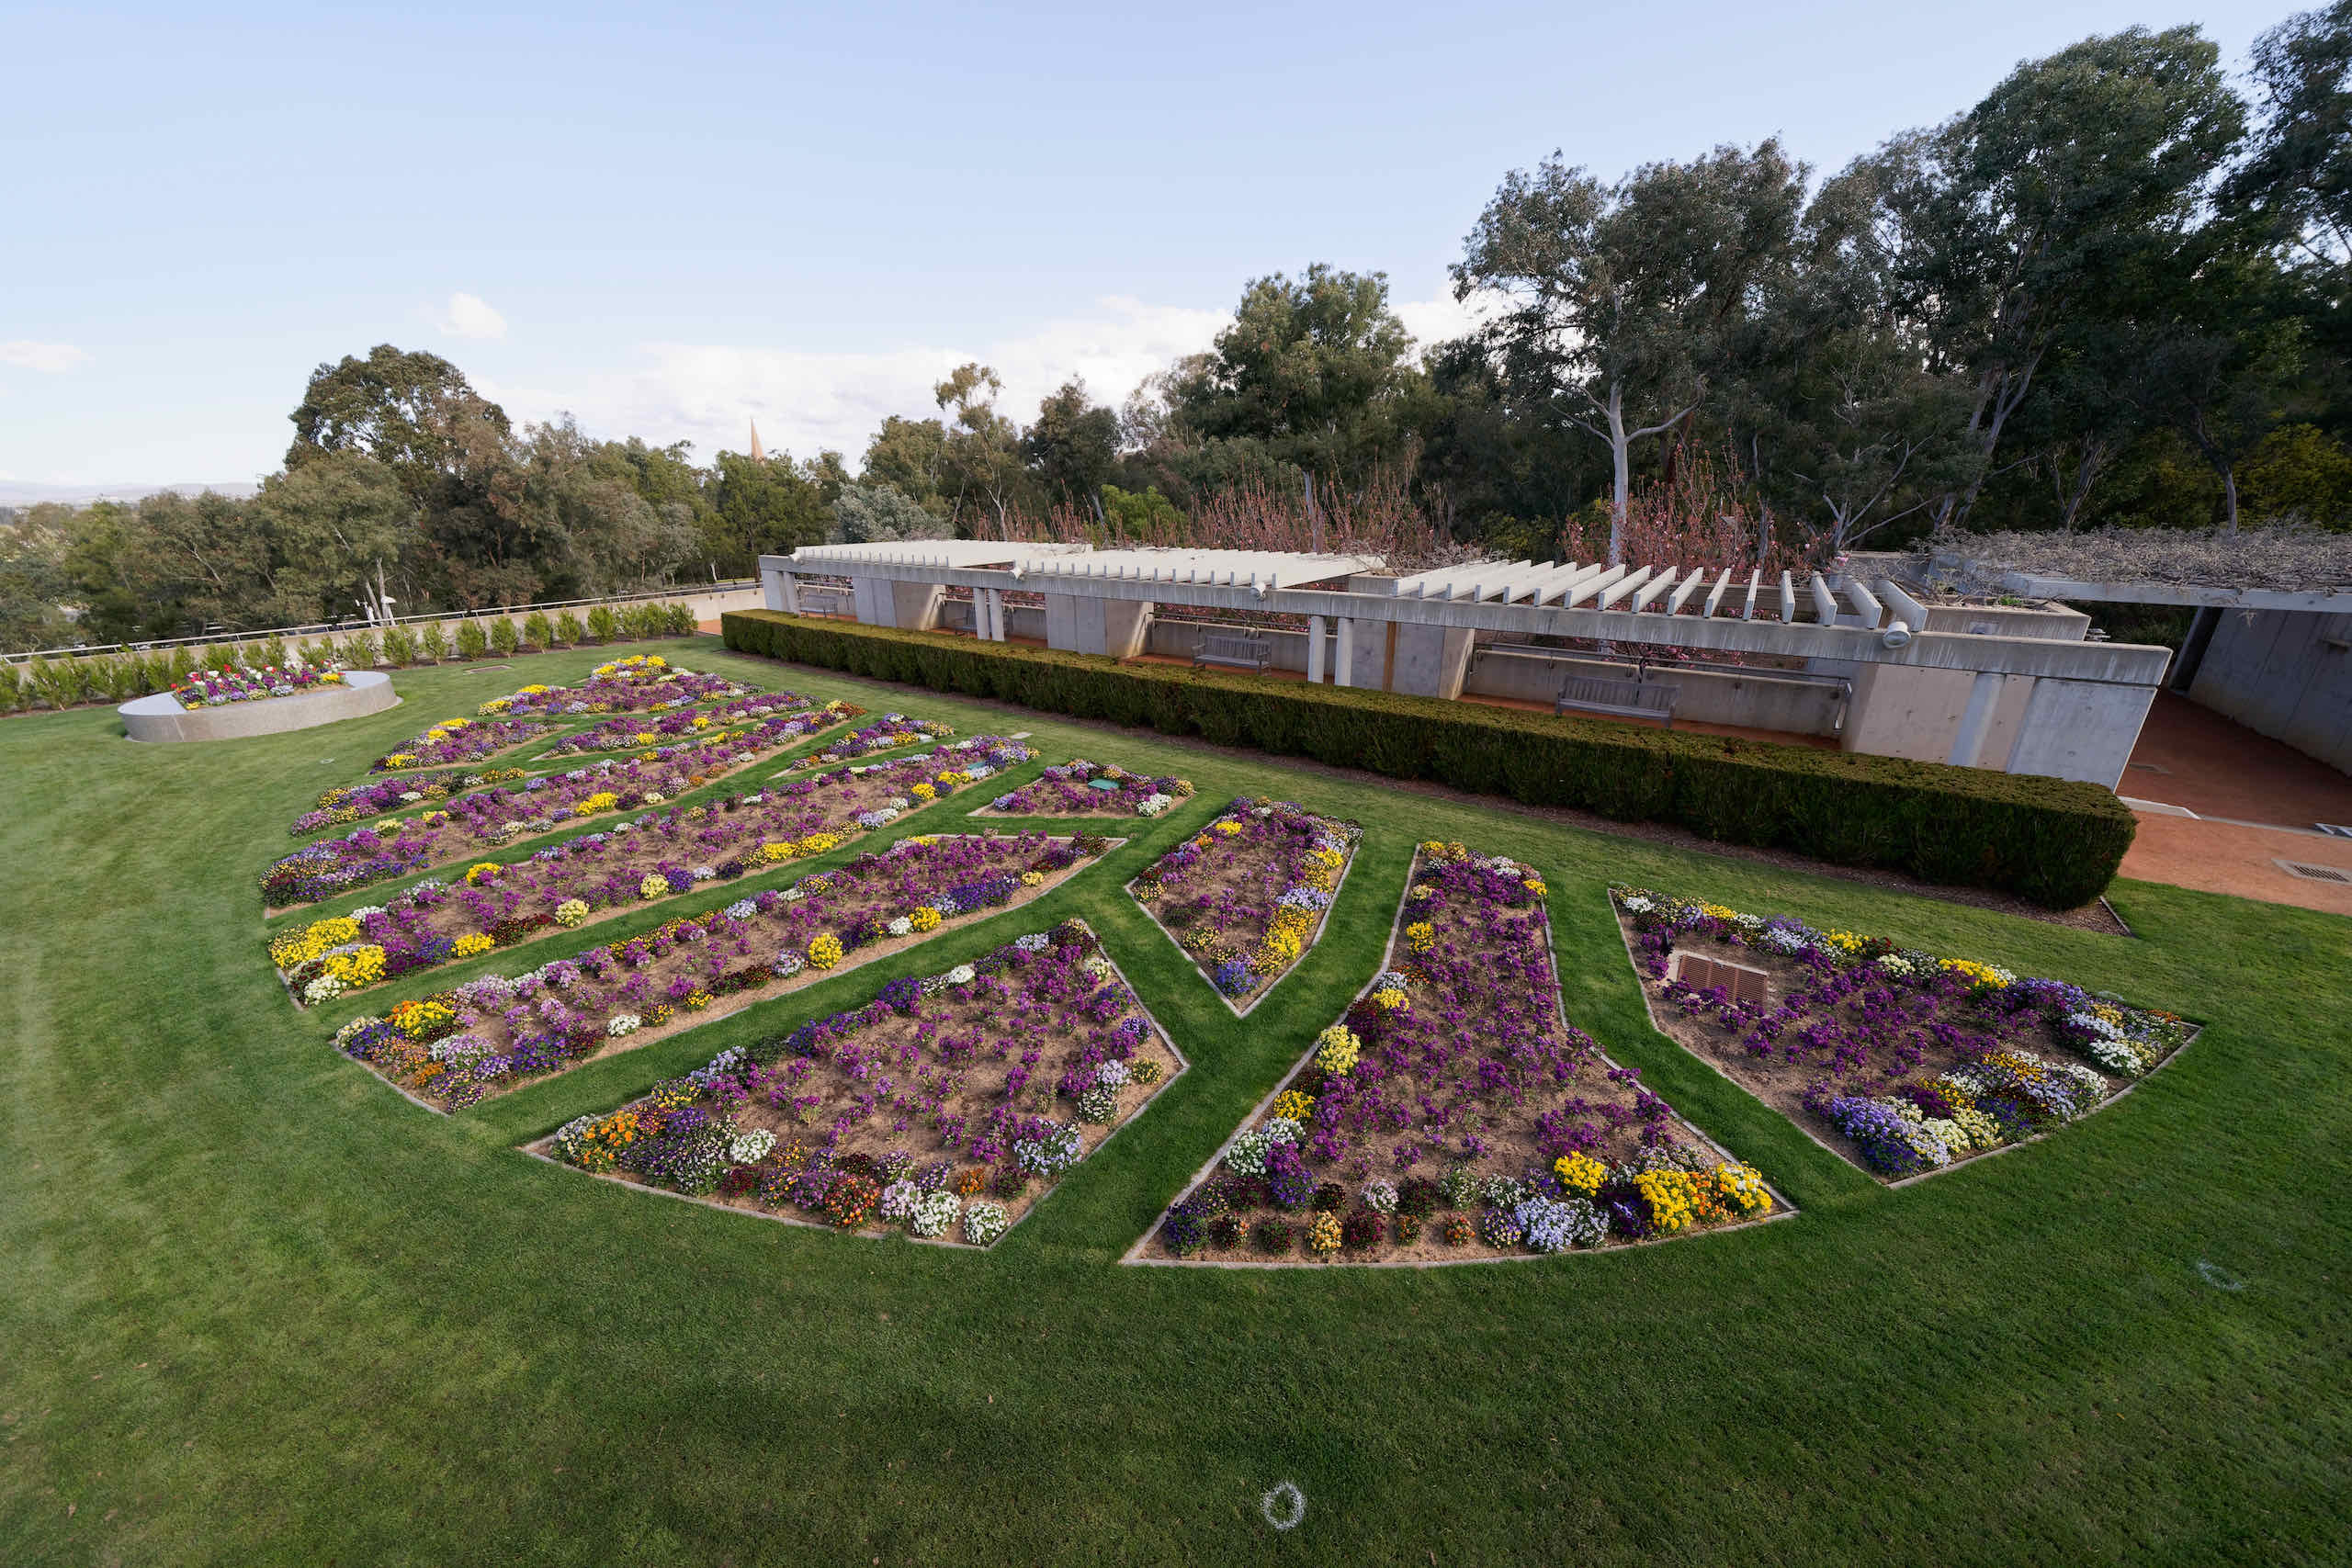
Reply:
x=1456, y=1083
x=1245, y=898
x=687, y=728
x=646, y=858
x=492, y=1033
x=947, y=1105
x=1910, y=1061
x=1081, y=788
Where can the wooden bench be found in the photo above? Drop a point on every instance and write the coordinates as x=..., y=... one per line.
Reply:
x=1626, y=699
x=1239, y=652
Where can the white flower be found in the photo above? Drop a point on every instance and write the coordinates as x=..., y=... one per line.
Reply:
x=962, y=974
x=326, y=987
x=902, y=926
x=748, y=1147
x=933, y=1213
x=622, y=1023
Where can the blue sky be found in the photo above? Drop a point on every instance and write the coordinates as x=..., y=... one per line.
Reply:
x=669, y=221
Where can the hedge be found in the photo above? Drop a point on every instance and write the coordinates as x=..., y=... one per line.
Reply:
x=2055, y=841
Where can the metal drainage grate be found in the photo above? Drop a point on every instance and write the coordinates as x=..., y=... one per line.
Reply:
x=2334, y=830
x=2313, y=873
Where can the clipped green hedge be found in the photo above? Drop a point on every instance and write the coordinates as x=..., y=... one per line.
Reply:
x=2052, y=841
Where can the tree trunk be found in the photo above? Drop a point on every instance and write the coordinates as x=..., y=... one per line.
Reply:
x=2229, y=493
x=1623, y=469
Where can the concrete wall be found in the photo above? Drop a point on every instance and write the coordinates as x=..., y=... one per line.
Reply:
x=161, y=718
x=1899, y=711
x=2284, y=674
x=1760, y=701
x=2054, y=623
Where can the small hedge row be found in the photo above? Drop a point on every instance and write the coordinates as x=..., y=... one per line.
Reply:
x=2050, y=840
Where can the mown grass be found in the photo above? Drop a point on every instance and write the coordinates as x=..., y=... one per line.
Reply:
x=260, y=1309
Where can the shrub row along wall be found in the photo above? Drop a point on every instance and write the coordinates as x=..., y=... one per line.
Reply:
x=119, y=677
x=2052, y=840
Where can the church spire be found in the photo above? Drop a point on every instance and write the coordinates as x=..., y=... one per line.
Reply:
x=759, y=455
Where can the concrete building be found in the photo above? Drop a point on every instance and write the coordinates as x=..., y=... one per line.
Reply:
x=2278, y=660
x=1865, y=661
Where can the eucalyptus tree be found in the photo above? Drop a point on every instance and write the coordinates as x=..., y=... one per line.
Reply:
x=1619, y=299
x=2002, y=227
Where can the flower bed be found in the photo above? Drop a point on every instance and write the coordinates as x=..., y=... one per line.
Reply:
x=1246, y=897
x=646, y=682
x=946, y=1107
x=245, y=684
x=687, y=730
x=637, y=860
x=1901, y=1061
x=476, y=823
x=459, y=740
x=890, y=729
x=489, y=1035
x=1453, y=1112
x=373, y=797
x=1081, y=788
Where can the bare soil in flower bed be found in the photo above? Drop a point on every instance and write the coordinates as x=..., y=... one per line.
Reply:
x=1247, y=896
x=491, y=1035
x=1081, y=788
x=639, y=861
x=981, y=1086
x=1456, y=1069
x=1812, y=1022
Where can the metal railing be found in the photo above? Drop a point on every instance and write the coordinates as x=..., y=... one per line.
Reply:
x=354, y=623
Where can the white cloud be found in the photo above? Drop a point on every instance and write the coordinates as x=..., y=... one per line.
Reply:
x=467, y=316
x=52, y=358
x=805, y=402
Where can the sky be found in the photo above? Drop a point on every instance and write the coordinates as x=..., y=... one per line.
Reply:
x=668, y=221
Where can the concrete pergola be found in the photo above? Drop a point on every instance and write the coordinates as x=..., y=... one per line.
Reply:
x=1929, y=682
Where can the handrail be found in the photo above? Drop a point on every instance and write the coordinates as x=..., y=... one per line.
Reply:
x=341, y=628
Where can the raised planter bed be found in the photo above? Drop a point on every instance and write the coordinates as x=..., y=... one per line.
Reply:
x=491, y=1034
x=1247, y=896
x=1081, y=788
x=637, y=861
x=1454, y=1114
x=162, y=718
x=1902, y=1062
x=948, y=1108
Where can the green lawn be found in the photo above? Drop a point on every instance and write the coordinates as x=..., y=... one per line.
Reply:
x=261, y=1309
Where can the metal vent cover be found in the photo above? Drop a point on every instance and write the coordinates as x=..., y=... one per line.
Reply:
x=2309, y=873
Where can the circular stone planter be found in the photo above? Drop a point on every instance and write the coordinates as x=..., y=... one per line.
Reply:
x=161, y=718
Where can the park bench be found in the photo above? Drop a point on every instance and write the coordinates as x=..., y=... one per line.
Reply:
x=1237, y=651
x=1624, y=699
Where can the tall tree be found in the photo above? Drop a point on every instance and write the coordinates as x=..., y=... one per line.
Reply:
x=1073, y=447
x=1309, y=373
x=1618, y=298
x=414, y=412
x=2298, y=171
x=2006, y=224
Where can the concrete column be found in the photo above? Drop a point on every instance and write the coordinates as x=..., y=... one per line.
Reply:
x=915, y=605
x=1064, y=630
x=1968, y=742
x=1431, y=661
x=776, y=589
x=1313, y=651
x=1345, y=674
x=872, y=602
x=1126, y=624
x=2080, y=729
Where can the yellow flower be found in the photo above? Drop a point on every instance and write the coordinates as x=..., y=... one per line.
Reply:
x=471, y=946
x=1535, y=884
x=825, y=951
x=572, y=911
x=1420, y=936
x=1336, y=1049
x=923, y=791
x=603, y=800
x=1295, y=1105
x=1743, y=1187
x=1227, y=829
x=1033, y=879
x=1390, y=998
x=924, y=918
x=482, y=872
x=655, y=886
x=1323, y=1234
x=1580, y=1173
